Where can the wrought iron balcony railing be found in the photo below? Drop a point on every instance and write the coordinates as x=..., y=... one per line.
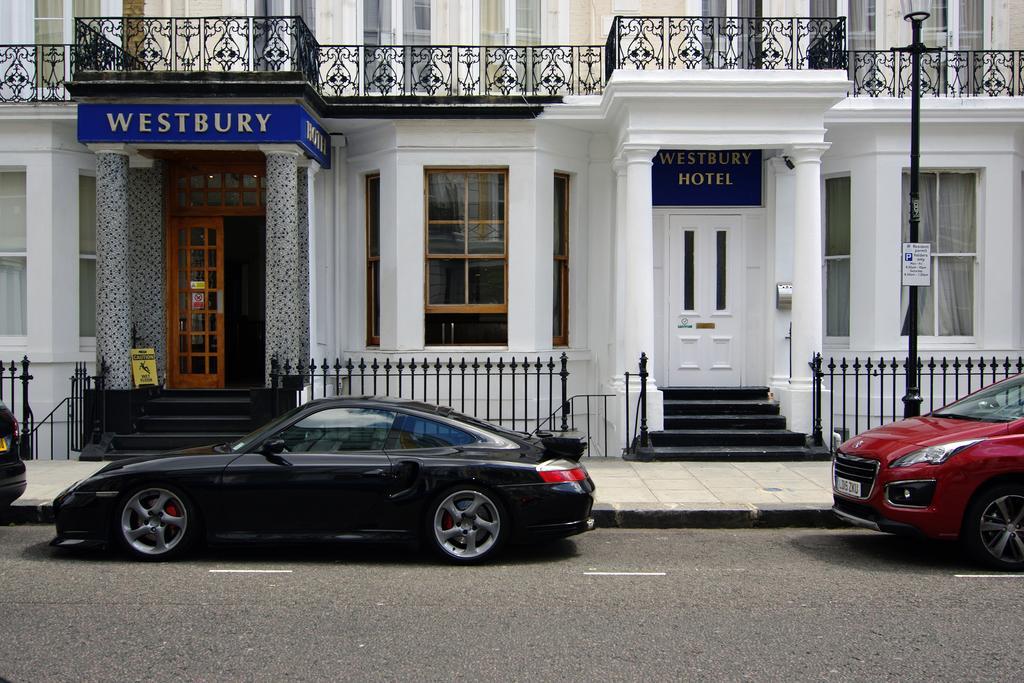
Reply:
x=726, y=43
x=38, y=73
x=35, y=73
x=950, y=73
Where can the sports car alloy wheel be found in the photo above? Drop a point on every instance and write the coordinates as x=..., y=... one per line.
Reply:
x=154, y=523
x=994, y=527
x=467, y=525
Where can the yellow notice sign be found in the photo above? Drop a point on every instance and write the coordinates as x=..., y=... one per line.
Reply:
x=144, y=367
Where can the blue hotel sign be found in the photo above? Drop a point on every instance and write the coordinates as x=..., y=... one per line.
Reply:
x=728, y=177
x=211, y=123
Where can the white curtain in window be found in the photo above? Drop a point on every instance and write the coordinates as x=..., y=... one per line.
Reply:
x=956, y=295
x=837, y=305
x=12, y=295
x=527, y=22
x=860, y=25
x=971, y=34
x=492, y=22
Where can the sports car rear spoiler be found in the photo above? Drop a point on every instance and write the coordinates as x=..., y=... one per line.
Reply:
x=568, y=447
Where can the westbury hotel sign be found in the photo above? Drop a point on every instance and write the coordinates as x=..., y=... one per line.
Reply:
x=727, y=177
x=221, y=123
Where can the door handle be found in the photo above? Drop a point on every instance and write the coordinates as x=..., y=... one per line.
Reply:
x=378, y=472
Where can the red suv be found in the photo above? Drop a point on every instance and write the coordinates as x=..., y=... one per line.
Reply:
x=956, y=473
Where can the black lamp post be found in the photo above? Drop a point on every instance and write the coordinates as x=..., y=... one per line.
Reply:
x=915, y=13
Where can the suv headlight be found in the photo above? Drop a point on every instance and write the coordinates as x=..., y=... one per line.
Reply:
x=933, y=455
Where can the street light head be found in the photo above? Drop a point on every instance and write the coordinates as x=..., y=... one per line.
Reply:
x=916, y=10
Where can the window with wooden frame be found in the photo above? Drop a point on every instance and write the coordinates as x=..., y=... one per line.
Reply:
x=560, y=307
x=466, y=256
x=373, y=260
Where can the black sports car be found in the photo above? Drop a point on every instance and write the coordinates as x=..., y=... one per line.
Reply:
x=340, y=469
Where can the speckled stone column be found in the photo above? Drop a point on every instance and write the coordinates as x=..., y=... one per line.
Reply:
x=113, y=285
x=284, y=303
x=146, y=260
x=305, y=179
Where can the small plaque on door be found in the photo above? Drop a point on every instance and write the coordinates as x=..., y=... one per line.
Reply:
x=705, y=326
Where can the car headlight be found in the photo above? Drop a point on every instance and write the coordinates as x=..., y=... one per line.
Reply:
x=933, y=455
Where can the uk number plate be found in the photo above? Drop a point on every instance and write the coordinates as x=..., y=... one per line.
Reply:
x=850, y=488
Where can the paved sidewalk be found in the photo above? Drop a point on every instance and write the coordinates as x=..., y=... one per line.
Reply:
x=629, y=494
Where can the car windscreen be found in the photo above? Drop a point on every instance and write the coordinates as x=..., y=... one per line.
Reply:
x=1001, y=402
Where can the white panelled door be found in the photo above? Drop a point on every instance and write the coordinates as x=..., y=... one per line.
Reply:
x=705, y=272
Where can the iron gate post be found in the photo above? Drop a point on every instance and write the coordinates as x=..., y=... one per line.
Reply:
x=25, y=448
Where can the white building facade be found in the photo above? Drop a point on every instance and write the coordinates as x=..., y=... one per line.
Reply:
x=728, y=204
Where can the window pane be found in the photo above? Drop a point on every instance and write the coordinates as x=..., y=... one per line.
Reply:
x=87, y=297
x=446, y=239
x=837, y=217
x=688, y=274
x=338, y=429
x=375, y=301
x=721, y=271
x=416, y=22
x=862, y=24
x=823, y=8
x=971, y=17
x=86, y=215
x=926, y=190
x=447, y=196
x=956, y=295
x=486, y=282
x=415, y=432
x=12, y=295
x=957, y=231
x=486, y=196
x=12, y=211
x=487, y=238
x=373, y=215
x=556, y=291
x=837, y=289
x=50, y=9
x=527, y=22
x=559, y=222
x=492, y=22
x=447, y=281
x=49, y=31
x=925, y=310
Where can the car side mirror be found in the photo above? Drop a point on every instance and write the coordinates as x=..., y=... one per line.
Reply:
x=272, y=449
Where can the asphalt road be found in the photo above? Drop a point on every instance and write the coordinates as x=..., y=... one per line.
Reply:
x=788, y=604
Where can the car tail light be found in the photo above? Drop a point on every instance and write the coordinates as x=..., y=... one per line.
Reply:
x=561, y=471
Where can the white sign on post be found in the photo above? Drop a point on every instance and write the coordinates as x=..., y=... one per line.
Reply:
x=917, y=264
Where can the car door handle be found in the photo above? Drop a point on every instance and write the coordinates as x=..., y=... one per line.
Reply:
x=378, y=472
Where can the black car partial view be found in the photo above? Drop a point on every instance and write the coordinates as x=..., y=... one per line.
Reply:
x=12, y=469
x=340, y=470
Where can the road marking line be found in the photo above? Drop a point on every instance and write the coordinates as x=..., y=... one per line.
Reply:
x=989, y=576
x=624, y=573
x=250, y=571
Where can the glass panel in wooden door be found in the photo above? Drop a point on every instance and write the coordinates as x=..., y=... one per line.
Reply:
x=197, y=303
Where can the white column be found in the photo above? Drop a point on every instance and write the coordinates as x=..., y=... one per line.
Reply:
x=639, y=256
x=618, y=317
x=807, y=279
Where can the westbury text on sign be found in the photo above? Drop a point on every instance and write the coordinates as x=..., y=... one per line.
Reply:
x=727, y=177
x=213, y=123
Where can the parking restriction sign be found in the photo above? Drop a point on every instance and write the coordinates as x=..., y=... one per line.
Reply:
x=917, y=264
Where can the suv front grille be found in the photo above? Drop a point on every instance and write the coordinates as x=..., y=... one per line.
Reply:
x=862, y=470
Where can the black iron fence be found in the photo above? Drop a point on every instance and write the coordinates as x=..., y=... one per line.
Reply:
x=949, y=73
x=14, y=382
x=851, y=396
x=519, y=393
x=637, y=434
x=65, y=428
x=726, y=43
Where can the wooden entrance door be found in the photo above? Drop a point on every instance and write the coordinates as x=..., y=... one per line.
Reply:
x=197, y=302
